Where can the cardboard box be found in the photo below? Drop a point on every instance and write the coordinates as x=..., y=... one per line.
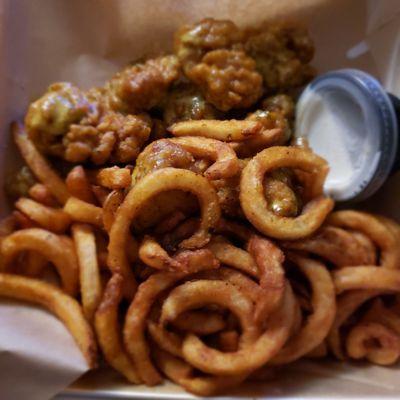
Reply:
x=43, y=41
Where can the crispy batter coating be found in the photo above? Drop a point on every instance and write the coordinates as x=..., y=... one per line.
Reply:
x=282, y=55
x=277, y=112
x=187, y=103
x=228, y=79
x=117, y=138
x=142, y=86
x=193, y=41
x=161, y=154
x=50, y=117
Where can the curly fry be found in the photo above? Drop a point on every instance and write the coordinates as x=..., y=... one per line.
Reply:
x=347, y=304
x=89, y=273
x=113, y=178
x=269, y=260
x=387, y=352
x=227, y=131
x=59, y=250
x=79, y=186
x=250, y=356
x=108, y=331
x=181, y=373
x=340, y=247
x=255, y=205
x=366, y=277
x=233, y=256
x=226, y=163
x=148, y=187
x=81, y=211
x=252, y=146
x=318, y=324
x=376, y=230
x=43, y=195
x=135, y=323
x=52, y=219
x=38, y=165
x=60, y=304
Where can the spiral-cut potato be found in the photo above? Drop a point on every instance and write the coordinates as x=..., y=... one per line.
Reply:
x=319, y=323
x=151, y=185
x=250, y=356
x=347, y=304
x=52, y=219
x=269, y=259
x=108, y=330
x=366, y=277
x=38, y=164
x=182, y=373
x=255, y=206
x=67, y=309
x=385, y=352
x=227, y=131
x=338, y=246
x=226, y=163
x=59, y=250
x=379, y=232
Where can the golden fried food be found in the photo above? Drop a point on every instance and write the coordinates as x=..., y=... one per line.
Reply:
x=108, y=332
x=81, y=211
x=377, y=231
x=232, y=130
x=147, y=188
x=59, y=250
x=269, y=259
x=282, y=56
x=378, y=343
x=228, y=79
x=338, y=246
x=113, y=178
x=187, y=103
x=318, y=324
x=78, y=185
x=142, y=86
x=42, y=194
x=89, y=273
x=38, y=165
x=193, y=41
x=131, y=209
x=116, y=137
x=67, y=309
x=51, y=116
x=52, y=219
x=255, y=205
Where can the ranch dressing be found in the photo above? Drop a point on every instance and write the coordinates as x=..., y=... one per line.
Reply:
x=344, y=125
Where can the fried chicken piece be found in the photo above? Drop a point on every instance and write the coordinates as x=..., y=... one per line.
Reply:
x=161, y=154
x=228, y=79
x=116, y=138
x=193, y=41
x=183, y=104
x=282, y=56
x=280, y=103
x=50, y=117
x=142, y=86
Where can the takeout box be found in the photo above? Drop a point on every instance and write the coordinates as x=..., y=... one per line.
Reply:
x=84, y=42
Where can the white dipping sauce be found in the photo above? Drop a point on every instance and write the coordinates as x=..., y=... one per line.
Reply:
x=335, y=126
